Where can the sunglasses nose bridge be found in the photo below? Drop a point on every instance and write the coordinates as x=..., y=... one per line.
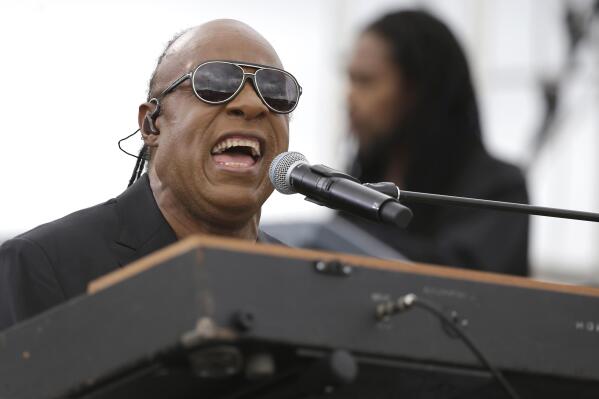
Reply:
x=251, y=76
x=248, y=76
x=248, y=105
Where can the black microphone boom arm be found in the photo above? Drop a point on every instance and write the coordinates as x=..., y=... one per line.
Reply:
x=403, y=196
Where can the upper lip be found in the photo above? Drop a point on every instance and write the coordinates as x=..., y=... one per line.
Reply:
x=242, y=134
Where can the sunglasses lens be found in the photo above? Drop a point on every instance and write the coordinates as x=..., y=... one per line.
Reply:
x=278, y=89
x=217, y=82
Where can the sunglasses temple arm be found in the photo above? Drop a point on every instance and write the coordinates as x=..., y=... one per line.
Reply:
x=174, y=85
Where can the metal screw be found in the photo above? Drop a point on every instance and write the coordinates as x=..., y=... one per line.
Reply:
x=244, y=320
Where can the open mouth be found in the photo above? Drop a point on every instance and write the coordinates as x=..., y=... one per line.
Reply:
x=237, y=152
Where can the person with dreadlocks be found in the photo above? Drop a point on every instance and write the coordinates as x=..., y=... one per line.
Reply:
x=414, y=115
x=216, y=115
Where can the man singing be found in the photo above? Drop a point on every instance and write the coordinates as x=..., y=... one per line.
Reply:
x=216, y=116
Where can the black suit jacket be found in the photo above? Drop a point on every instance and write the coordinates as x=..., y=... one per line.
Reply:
x=55, y=261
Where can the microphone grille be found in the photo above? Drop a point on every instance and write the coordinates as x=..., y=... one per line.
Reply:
x=280, y=168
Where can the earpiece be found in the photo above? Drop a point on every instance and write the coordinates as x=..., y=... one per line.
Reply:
x=149, y=120
x=149, y=125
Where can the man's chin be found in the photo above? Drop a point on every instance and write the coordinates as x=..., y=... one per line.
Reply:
x=235, y=202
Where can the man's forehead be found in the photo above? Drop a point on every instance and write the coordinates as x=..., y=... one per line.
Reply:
x=220, y=40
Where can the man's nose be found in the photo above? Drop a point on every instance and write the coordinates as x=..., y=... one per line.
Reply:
x=247, y=103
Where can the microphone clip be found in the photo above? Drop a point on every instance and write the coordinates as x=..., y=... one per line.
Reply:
x=325, y=171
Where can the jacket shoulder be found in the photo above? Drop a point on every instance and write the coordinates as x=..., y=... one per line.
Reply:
x=28, y=284
x=95, y=222
x=75, y=248
x=485, y=176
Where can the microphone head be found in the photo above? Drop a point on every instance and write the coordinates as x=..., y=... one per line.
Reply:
x=280, y=169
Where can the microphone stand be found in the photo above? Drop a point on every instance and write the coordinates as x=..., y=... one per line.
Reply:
x=403, y=196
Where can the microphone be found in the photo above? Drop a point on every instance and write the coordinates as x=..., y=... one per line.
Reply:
x=290, y=173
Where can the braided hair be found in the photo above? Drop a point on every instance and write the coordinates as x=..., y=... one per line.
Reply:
x=142, y=157
x=144, y=152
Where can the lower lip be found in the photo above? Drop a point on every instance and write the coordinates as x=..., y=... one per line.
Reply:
x=239, y=168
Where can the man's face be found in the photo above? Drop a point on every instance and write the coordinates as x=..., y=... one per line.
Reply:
x=377, y=94
x=223, y=187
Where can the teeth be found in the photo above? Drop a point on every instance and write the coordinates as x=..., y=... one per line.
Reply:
x=229, y=143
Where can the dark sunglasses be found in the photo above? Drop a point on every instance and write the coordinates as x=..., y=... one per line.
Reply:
x=216, y=82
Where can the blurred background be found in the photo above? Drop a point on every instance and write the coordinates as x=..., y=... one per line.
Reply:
x=74, y=73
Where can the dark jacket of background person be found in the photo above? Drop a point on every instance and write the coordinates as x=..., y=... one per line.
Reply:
x=440, y=138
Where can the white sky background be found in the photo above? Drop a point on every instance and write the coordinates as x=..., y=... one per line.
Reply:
x=74, y=73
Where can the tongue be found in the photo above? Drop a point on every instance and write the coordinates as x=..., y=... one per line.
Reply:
x=234, y=159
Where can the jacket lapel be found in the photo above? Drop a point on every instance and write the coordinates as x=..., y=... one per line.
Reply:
x=142, y=228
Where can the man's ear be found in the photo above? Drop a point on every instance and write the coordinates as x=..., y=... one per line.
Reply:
x=146, y=119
